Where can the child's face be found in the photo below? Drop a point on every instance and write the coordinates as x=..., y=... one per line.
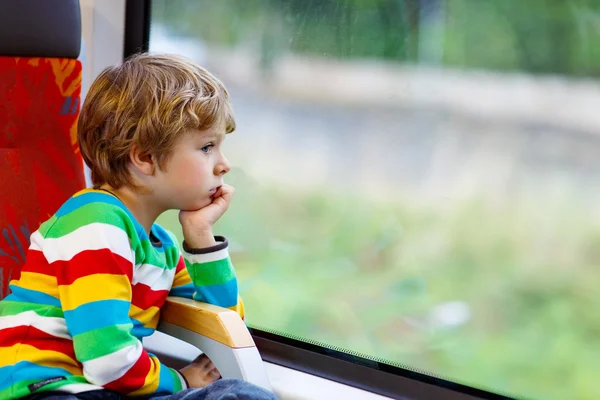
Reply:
x=194, y=170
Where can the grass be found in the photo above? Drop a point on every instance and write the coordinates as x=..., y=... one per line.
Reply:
x=369, y=275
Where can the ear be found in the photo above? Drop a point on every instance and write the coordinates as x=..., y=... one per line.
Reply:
x=144, y=163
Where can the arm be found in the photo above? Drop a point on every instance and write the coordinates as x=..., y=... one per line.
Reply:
x=206, y=259
x=207, y=275
x=94, y=265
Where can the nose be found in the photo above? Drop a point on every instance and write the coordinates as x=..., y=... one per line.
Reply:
x=222, y=167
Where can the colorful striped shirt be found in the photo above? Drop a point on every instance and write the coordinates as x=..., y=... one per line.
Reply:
x=90, y=290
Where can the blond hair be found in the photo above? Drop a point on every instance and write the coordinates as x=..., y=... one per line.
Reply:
x=148, y=101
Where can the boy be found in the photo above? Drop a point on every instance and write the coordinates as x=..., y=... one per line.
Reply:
x=98, y=271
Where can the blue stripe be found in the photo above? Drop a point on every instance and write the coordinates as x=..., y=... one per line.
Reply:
x=160, y=250
x=97, y=314
x=165, y=383
x=139, y=330
x=163, y=235
x=98, y=197
x=186, y=291
x=31, y=296
x=25, y=371
x=224, y=295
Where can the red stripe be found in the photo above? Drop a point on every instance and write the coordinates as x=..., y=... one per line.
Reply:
x=180, y=265
x=134, y=378
x=90, y=262
x=36, y=262
x=36, y=338
x=144, y=297
x=177, y=281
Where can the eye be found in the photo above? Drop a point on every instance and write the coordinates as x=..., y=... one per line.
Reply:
x=207, y=148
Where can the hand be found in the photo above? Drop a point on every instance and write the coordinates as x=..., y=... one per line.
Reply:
x=200, y=373
x=197, y=225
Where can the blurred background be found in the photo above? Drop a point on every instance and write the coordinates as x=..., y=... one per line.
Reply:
x=417, y=180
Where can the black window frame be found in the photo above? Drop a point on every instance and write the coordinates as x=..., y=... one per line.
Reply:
x=318, y=359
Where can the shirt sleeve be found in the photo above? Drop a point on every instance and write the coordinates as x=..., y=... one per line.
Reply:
x=208, y=275
x=94, y=265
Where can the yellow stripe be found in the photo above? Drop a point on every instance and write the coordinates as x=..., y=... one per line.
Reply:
x=95, y=287
x=151, y=382
x=40, y=282
x=90, y=190
x=239, y=307
x=147, y=317
x=45, y=358
x=84, y=191
x=182, y=278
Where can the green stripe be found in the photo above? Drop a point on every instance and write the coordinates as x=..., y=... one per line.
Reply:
x=176, y=380
x=17, y=307
x=172, y=255
x=46, y=225
x=103, y=341
x=153, y=256
x=166, y=259
x=97, y=213
x=211, y=273
x=92, y=213
x=69, y=381
x=18, y=390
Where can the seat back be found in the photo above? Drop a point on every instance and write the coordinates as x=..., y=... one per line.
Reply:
x=40, y=86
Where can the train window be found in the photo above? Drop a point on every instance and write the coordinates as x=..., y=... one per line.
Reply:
x=417, y=180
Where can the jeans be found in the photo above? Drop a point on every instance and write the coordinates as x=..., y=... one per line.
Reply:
x=223, y=389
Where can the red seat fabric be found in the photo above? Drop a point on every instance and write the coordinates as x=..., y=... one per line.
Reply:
x=40, y=164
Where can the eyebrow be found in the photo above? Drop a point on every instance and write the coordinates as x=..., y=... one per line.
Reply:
x=204, y=135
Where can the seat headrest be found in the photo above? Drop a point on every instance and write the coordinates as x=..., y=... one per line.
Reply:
x=40, y=28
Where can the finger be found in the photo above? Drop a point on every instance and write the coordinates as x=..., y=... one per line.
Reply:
x=227, y=188
x=214, y=374
x=223, y=201
x=227, y=193
x=217, y=193
x=206, y=364
x=203, y=361
x=210, y=366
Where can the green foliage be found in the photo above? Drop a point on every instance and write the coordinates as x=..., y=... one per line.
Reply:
x=366, y=276
x=536, y=36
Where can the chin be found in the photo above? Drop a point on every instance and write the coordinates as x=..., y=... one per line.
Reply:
x=196, y=205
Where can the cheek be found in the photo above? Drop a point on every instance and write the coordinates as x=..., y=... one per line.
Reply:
x=191, y=172
x=190, y=180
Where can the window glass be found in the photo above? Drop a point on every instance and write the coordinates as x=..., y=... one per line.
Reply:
x=416, y=181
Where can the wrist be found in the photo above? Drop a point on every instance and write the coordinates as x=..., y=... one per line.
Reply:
x=185, y=382
x=200, y=239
